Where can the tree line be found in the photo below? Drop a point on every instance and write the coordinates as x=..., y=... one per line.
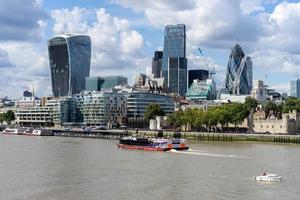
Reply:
x=213, y=118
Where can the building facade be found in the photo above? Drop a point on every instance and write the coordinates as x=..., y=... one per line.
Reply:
x=177, y=75
x=69, y=58
x=259, y=91
x=295, y=88
x=104, y=83
x=174, y=47
x=202, y=90
x=239, y=72
x=200, y=74
x=137, y=103
x=157, y=64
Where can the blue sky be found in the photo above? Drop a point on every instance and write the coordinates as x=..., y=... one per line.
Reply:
x=125, y=33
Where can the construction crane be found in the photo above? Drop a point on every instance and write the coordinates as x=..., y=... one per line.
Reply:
x=213, y=69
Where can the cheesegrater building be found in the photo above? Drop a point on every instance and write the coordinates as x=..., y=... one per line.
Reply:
x=69, y=58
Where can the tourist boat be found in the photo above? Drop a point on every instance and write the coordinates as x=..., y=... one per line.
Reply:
x=14, y=131
x=268, y=177
x=150, y=144
x=42, y=132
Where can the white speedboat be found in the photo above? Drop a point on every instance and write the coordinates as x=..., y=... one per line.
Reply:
x=268, y=177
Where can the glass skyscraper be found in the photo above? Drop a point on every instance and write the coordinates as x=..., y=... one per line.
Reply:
x=239, y=72
x=69, y=57
x=157, y=64
x=295, y=88
x=174, y=57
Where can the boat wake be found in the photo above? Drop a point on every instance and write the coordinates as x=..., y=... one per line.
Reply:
x=199, y=153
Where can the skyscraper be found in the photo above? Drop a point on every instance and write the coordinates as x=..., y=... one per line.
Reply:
x=239, y=72
x=69, y=57
x=200, y=74
x=177, y=75
x=157, y=64
x=174, y=57
x=295, y=88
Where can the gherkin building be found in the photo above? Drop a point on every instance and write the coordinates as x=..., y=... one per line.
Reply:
x=239, y=72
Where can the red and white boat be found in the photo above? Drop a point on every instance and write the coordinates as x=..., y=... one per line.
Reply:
x=150, y=144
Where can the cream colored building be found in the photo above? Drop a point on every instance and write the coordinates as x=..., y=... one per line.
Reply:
x=289, y=124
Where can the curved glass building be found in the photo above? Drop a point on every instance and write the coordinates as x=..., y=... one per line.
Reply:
x=69, y=57
x=239, y=72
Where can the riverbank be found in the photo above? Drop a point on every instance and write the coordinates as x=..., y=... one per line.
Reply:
x=294, y=139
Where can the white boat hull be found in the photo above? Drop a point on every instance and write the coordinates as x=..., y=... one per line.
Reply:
x=269, y=177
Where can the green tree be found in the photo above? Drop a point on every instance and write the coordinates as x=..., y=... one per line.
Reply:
x=9, y=116
x=152, y=111
x=1, y=118
x=250, y=104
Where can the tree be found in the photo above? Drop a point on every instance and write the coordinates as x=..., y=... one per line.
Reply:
x=152, y=111
x=9, y=116
x=250, y=104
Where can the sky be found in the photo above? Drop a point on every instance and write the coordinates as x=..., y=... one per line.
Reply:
x=125, y=34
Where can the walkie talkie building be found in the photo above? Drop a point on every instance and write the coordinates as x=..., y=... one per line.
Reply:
x=69, y=57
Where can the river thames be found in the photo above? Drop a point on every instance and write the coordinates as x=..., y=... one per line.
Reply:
x=55, y=168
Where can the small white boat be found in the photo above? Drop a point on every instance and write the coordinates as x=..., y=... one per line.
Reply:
x=268, y=177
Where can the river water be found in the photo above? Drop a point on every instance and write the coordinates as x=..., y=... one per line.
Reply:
x=56, y=168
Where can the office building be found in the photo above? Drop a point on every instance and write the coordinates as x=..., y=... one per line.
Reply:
x=202, y=90
x=174, y=55
x=200, y=74
x=93, y=83
x=239, y=72
x=259, y=91
x=295, y=88
x=27, y=93
x=177, y=75
x=157, y=64
x=137, y=103
x=104, y=83
x=69, y=58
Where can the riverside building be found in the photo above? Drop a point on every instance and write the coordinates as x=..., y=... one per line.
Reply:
x=69, y=58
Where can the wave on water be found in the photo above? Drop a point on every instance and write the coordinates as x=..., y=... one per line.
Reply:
x=199, y=153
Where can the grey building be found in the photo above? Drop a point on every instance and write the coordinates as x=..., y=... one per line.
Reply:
x=239, y=72
x=174, y=47
x=69, y=57
x=137, y=103
x=157, y=64
x=104, y=83
x=199, y=74
x=177, y=75
x=295, y=88
x=27, y=93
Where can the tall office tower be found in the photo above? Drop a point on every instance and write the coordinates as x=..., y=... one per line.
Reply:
x=200, y=74
x=69, y=57
x=174, y=56
x=239, y=72
x=157, y=64
x=177, y=75
x=295, y=88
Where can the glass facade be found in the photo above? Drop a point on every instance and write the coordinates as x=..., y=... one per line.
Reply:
x=69, y=57
x=138, y=102
x=177, y=76
x=239, y=72
x=93, y=83
x=295, y=88
x=157, y=64
x=112, y=81
x=201, y=90
x=174, y=45
x=200, y=74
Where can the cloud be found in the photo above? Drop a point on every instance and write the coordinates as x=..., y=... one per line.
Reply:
x=115, y=45
x=30, y=67
x=4, y=60
x=21, y=20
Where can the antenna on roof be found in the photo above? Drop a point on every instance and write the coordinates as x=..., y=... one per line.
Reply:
x=213, y=70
